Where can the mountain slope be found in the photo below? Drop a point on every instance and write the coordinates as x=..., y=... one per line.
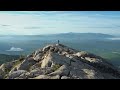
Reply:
x=58, y=61
x=7, y=58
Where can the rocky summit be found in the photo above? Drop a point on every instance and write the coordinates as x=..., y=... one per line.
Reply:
x=58, y=61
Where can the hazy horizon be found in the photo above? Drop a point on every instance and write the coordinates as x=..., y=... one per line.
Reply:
x=54, y=22
x=59, y=33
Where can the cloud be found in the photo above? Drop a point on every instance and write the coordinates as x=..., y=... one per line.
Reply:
x=99, y=15
x=32, y=27
x=35, y=27
x=100, y=27
x=107, y=15
x=15, y=49
x=5, y=25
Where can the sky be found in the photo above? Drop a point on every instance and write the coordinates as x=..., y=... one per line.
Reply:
x=51, y=22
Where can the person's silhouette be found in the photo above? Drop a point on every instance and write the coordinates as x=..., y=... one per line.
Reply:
x=58, y=41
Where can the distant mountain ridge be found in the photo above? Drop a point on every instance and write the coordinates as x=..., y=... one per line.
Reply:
x=89, y=35
x=69, y=33
x=62, y=36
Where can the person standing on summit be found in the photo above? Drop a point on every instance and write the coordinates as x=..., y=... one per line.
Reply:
x=58, y=42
